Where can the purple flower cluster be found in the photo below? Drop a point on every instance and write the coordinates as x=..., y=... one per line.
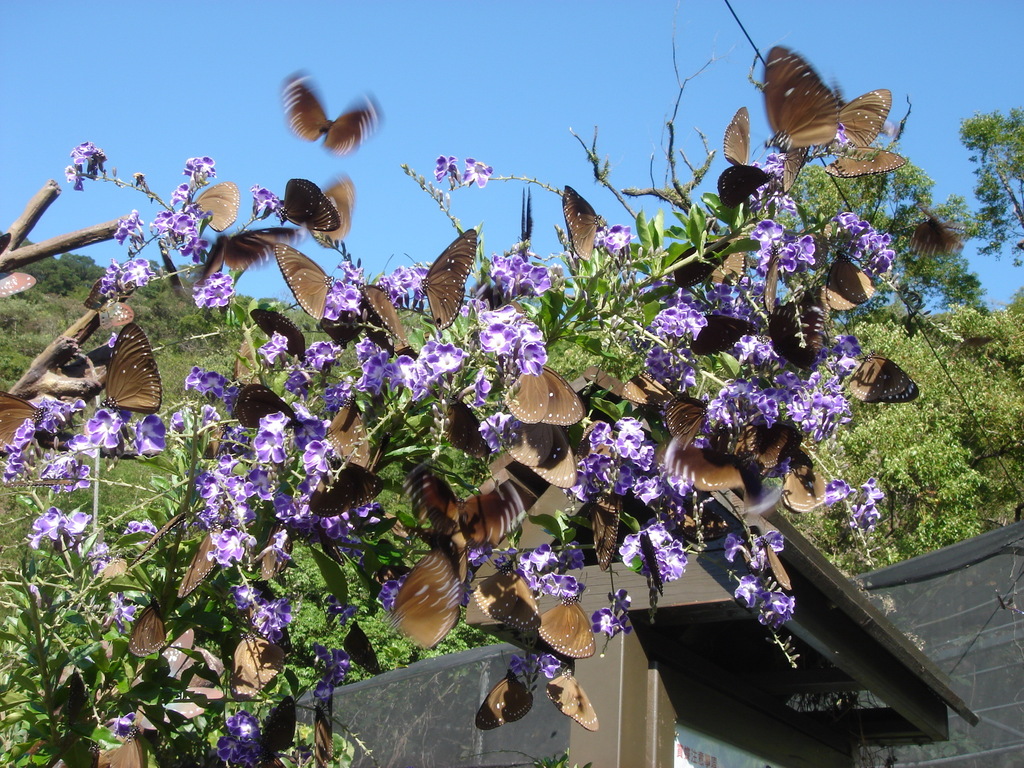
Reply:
x=130, y=228
x=65, y=531
x=336, y=665
x=614, y=619
x=180, y=230
x=242, y=744
x=516, y=276
x=404, y=286
x=545, y=570
x=794, y=254
x=436, y=363
x=865, y=515
x=866, y=245
x=448, y=166
x=121, y=613
x=199, y=169
x=615, y=238
x=769, y=195
x=86, y=160
x=508, y=334
x=669, y=552
x=215, y=291
x=773, y=608
x=264, y=202
x=529, y=666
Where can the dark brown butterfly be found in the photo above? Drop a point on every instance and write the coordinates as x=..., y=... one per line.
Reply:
x=864, y=162
x=545, y=397
x=650, y=557
x=148, y=634
x=256, y=663
x=505, y=597
x=343, y=194
x=354, y=486
x=933, y=236
x=793, y=163
x=801, y=109
x=803, y=489
x=604, y=514
x=255, y=401
x=684, y=416
x=357, y=645
x=507, y=702
x=272, y=563
x=771, y=282
x=76, y=699
x=221, y=201
x=797, y=330
x=545, y=449
x=720, y=334
x=701, y=266
x=738, y=182
x=305, y=204
x=428, y=602
x=271, y=322
x=566, y=628
x=277, y=734
x=768, y=446
x=202, y=565
x=485, y=517
x=737, y=138
x=572, y=701
x=445, y=281
x=245, y=249
x=704, y=526
x=864, y=117
x=309, y=283
x=116, y=315
x=580, y=221
x=133, y=382
x=734, y=266
x=705, y=468
x=323, y=734
x=463, y=430
x=386, y=316
x=15, y=282
x=642, y=389
x=13, y=413
x=348, y=436
x=879, y=380
x=131, y=754
x=307, y=119
x=848, y=286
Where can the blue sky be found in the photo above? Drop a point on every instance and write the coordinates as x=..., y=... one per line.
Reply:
x=156, y=83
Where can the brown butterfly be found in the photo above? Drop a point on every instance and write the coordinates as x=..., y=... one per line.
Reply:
x=116, y=315
x=348, y=436
x=15, y=282
x=305, y=204
x=864, y=117
x=148, y=634
x=580, y=221
x=720, y=334
x=131, y=754
x=133, y=382
x=797, y=331
x=445, y=281
x=684, y=417
x=256, y=663
x=700, y=267
x=506, y=598
x=245, y=249
x=357, y=645
x=271, y=322
x=202, y=565
x=933, y=236
x=566, y=628
x=323, y=736
x=507, y=702
x=221, y=201
x=801, y=109
x=463, y=429
x=428, y=603
x=309, y=283
x=736, y=142
x=705, y=468
x=738, y=182
x=803, y=489
x=864, y=162
x=545, y=397
x=13, y=413
x=343, y=194
x=545, y=449
x=271, y=562
x=795, y=160
x=848, y=286
x=768, y=446
x=385, y=316
x=307, y=119
x=572, y=701
x=277, y=734
x=354, y=486
x=604, y=514
x=878, y=379
x=255, y=401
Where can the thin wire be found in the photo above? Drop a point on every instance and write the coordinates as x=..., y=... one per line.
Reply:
x=744, y=30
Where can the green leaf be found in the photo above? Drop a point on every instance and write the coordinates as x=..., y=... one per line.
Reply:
x=333, y=575
x=642, y=232
x=607, y=407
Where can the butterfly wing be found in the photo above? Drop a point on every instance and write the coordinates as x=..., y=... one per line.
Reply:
x=348, y=436
x=604, y=521
x=848, y=286
x=506, y=702
x=445, y=282
x=684, y=417
x=505, y=597
x=428, y=603
x=271, y=322
x=803, y=489
x=738, y=182
x=148, y=634
x=879, y=380
x=13, y=413
x=343, y=194
x=357, y=645
x=720, y=334
x=305, y=204
x=221, y=201
x=353, y=487
x=387, y=315
x=864, y=117
x=464, y=430
x=572, y=701
x=308, y=282
x=801, y=109
x=255, y=401
x=202, y=565
x=133, y=381
x=864, y=162
x=302, y=109
x=490, y=517
x=15, y=282
x=797, y=331
x=566, y=628
x=256, y=663
x=737, y=138
x=323, y=738
x=546, y=397
x=580, y=221
x=352, y=128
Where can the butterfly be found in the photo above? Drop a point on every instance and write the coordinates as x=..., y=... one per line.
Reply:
x=116, y=315
x=271, y=322
x=545, y=397
x=272, y=562
x=133, y=381
x=645, y=390
x=348, y=436
x=221, y=201
x=544, y=448
x=343, y=194
x=848, y=286
x=245, y=249
x=463, y=429
x=736, y=141
x=650, y=558
x=308, y=120
x=148, y=633
x=13, y=413
x=878, y=379
x=803, y=489
x=202, y=565
x=483, y=518
x=572, y=701
x=604, y=513
x=933, y=236
x=256, y=663
x=255, y=401
x=801, y=109
x=277, y=734
x=738, y=182
x=131, y=754
x=15, y=282
x=354, y=486
x=720, y=334
x=323, y=737
x=797, y=331
x=428, y=603
x=864, y=162
x=309, y=283
x=506, y=597
x=768, y=446
x=864, y=117
x=566, y=629
x=580, y=221
x=702, y=266
x=305, y=204
x=445, y=281
x=684, y=417
x=385, y=315
x=357, y=645
x=794, y=161
x=509, y=700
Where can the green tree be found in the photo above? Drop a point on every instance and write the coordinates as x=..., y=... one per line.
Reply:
x=64, y=275
x=997, y=141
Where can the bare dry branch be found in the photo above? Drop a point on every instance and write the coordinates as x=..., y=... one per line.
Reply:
x=40, y=379
x=36, y=207
x=98, y=233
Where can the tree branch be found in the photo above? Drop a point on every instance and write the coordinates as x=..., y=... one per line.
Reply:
x=98, y=233
x=33, y=211
x=39, y=378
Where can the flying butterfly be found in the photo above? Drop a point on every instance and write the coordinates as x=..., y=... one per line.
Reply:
x=15, y=282
x=308, y=120
x=202, y=565
x=348, y=436
x=116, y=315
x=720, y=334
x=13, y=413
x=580, y=221
x=767, y=445
x=566, y=629
x=445, y=281
x=309, y=283
x=271, y=322
x=255, y=401
x=933, y=236
x=506, y=597
x=604, y=513
x=148, y=633
x=878, y=379
x=545, y=397
x=245, y=249
x=509, y=700
x=848, y=285
x=864, y=117
x=133, y=381
x=801, y=109
x=864, y=162
x=428, y=603
x=221, y=201
x=463, y=429
x=572, y=701
x=255, y=664
x=343, y=194
x=545, y=449
x=803, y=489
x=305, y=204
x=797, y=331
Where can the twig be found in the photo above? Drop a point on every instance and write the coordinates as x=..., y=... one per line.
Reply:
x=98, y=233
x=33, y=211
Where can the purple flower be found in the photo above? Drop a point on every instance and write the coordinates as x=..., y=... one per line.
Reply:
x=59, y=528
x=476, y=171
x=336, y=663
x=516, y=276
x=749, y=591
x=230, y=546
x=122, y=726
x=272, y=617
x=264, y=202
x=130, y=226
x=206, y=382
x=150, y=435
x=836, y=490
x=199, y=169
x=103, y=430
x=615, y=238
x=275, y=349
x=215, y=291
x=121, y=614
x=446, y=166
